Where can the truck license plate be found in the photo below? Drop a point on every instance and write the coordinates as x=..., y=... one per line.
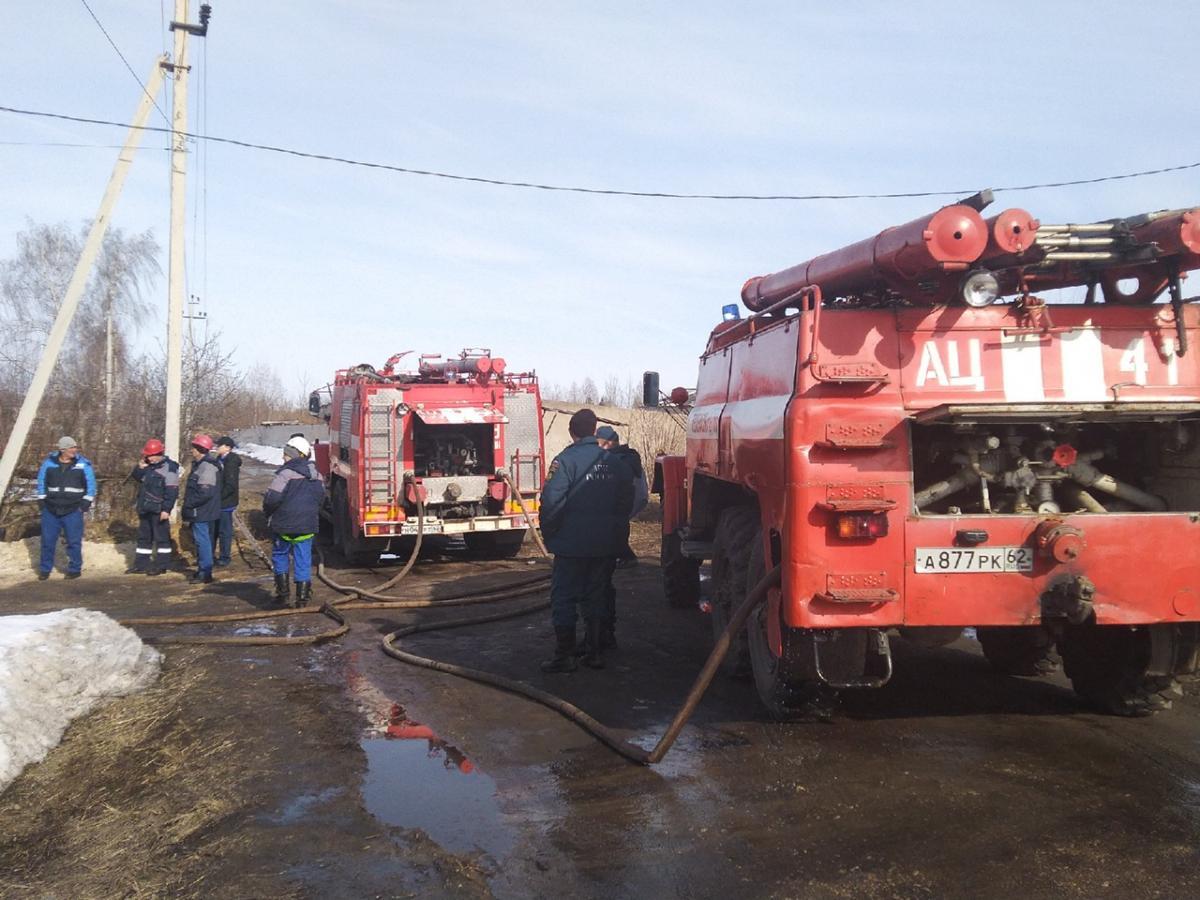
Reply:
x=974, y=559
x=432, y=526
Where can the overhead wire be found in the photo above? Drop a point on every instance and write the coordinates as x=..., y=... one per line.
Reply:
x=661, y=195
x=113, y=44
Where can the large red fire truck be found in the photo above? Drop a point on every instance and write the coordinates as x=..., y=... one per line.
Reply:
x=463, y=436
x=923, y=443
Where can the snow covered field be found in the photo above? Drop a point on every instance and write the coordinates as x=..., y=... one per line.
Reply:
x=56, y=667
x=272, y=456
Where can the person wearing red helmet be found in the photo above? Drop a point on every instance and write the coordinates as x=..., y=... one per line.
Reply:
x=158, y=488
x=202, y=504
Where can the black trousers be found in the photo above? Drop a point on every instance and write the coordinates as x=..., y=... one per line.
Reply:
x=153, y=541
x=578, y=581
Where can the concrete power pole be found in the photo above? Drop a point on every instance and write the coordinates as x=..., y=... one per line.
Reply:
x=70, y=303
x=175, y=266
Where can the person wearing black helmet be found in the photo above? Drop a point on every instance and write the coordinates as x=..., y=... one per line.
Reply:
x=231, y=469
x=607, y=437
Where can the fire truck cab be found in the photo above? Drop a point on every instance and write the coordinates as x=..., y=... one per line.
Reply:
x=460, y=438
x=920, y=442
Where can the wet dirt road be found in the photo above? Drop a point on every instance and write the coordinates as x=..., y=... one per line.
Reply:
x=374, y=778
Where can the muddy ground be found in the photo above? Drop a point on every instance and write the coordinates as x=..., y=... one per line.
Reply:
x=336, y=771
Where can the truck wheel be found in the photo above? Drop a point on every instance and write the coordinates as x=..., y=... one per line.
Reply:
x=681, y=576
x=738, y=529
x=349, y=544
x=498, y=545
x=1107, y=666
x=1018, y=650
x=783, y=688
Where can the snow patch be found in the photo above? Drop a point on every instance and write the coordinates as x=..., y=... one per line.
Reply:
x=272, y=456
x=56, y=667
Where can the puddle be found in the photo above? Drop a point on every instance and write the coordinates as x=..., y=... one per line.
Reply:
x=301, y=807
x=416, y=780
x=257, y=629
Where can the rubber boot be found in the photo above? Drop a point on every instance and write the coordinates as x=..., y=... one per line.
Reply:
x=281, y=589
x=303, y=592
x=201, y=576
x=594, y=659
x=608, y=636
x=564, y=652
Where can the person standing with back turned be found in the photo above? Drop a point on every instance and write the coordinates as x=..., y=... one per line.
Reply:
x=202, y=504
x=292, y=505
x=585, y=508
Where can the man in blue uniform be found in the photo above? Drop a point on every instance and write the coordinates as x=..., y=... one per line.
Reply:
x=66, y=487
x=292, y=505
x=202, y=504
x=158, y=489
x=585, y=509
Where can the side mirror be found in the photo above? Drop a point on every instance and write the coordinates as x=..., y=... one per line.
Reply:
x=650, y=390
x=314, y=404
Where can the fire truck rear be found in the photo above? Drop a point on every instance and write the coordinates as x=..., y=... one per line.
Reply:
x=923, y=443
x=460, y=438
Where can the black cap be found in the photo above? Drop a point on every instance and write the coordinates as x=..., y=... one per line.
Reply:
x=582, y=424
x=608, y=433
x=225, y=441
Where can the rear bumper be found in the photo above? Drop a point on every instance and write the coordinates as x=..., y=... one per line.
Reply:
x=435, y=525
x=1145, y=568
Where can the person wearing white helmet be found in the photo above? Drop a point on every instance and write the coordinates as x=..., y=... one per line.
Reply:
x=292, y=506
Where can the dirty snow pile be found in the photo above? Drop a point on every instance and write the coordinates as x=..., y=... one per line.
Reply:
x=56, y=667
x=272, y=456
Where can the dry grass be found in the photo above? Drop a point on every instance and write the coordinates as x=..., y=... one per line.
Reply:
x=131, y=798
x=653, y=433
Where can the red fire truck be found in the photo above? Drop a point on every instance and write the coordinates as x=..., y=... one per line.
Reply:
x=462, y=435
x=921, y=442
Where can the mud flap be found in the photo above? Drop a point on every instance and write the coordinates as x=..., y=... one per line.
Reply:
x=852, y=657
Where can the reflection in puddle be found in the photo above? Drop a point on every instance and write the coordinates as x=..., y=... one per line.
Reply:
x=416, y=780
x=302, y=807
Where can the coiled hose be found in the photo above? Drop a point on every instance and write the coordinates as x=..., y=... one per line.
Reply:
x=376, y=600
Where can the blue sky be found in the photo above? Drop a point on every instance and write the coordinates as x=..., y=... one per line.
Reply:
x=312, y=266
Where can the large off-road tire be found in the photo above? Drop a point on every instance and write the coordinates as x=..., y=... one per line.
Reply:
x=495, y=544
x=738, y=528
x=1107, y=666
x=1018, y=650
x=681, y=576
x=355, y=550
x=784, y=683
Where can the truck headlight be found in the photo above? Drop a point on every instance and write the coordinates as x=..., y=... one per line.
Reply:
x=979, y=289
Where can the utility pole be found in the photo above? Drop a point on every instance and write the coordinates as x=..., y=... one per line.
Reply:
x=179, y=69
x=70, y=303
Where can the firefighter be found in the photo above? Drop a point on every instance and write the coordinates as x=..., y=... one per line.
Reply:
x=607, y=437
x=158, y=489
x=292, y=505
x=231, y=469
x=66, y=487
x=586, y=502
x=202, y=504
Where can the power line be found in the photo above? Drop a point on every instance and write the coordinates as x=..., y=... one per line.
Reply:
x=660, y=195
x=113, y=44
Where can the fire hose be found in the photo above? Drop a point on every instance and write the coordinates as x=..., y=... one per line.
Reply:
x=375, y=600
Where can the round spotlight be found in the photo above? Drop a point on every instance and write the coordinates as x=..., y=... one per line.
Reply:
x=979, y=289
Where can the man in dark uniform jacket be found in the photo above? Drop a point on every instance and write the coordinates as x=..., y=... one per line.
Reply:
x=231, y=471
x=585, y=509
x=608, y=438
x=202, y=503
x=158, y=489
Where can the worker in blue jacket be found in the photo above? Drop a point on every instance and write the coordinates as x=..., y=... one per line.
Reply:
x=292, y=505
x=586, y=502
x=202, y=504
x=66, y=487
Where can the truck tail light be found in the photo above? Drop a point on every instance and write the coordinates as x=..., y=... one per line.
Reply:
x=856, y=525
